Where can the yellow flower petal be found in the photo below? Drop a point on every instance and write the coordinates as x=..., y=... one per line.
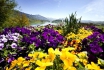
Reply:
x=40, y=68
x=20, y=59
x=26, y=63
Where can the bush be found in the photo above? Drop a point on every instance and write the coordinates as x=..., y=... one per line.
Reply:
x=71, y=24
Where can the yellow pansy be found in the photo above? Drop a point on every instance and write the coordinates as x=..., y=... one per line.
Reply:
x=34, y=55
x=13, y=63
x=82, y=33
x=20, y=60
x=57, y=52
x=25, y=63
x=65, y=43
x=85, y=61
x=67, y=49
x=51, y=54
x=41, y=55
x=29, y=68
x=67, y=57
x=40, y=68
x=60, y=31
x=99, y=62
x=92, y=66
x=69, y=68
x=7, y=68
x=78, y=41
x=82, y=54
x=33, y=60
x=43, y=63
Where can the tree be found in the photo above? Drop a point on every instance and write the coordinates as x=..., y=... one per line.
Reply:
x=22, y=20
x=17, y=19
x=6, y=9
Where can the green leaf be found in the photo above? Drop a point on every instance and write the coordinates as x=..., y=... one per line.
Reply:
x=32, y=46
x=81, y=68
x=5, y=53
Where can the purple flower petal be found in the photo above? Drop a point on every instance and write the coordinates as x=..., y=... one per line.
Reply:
x=1, y=46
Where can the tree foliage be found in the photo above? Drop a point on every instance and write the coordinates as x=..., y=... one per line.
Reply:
x=21, y=19
x=17, y=19
x=6, y=8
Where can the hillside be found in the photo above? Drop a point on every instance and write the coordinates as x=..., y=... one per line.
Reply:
x=34, y=18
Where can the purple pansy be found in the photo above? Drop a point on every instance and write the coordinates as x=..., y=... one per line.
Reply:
x=94, y=44
x=10, y=59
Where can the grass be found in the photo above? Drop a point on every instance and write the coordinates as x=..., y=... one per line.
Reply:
x=100, y=27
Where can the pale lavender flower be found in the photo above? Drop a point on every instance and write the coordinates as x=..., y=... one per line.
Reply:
x=9, y=36
x=1, y=46
x=15, y=38
x=3, y=38
x=17, y=34
x=14, y=45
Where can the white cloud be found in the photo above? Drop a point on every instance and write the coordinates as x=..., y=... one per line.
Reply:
x=94, y=10
x=96, y=6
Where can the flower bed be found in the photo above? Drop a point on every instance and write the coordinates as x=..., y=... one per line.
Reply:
x=45, y=48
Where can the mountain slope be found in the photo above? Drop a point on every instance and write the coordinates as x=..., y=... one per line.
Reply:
x=34, y=17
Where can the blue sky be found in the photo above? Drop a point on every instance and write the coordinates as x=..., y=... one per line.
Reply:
x=88, y=9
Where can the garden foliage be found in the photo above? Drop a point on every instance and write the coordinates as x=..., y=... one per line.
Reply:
x=71, y=25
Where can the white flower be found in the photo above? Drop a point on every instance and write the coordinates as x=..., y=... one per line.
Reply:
x=3, y=38
x=17, y=34
x=15, y=38
x=13, y=45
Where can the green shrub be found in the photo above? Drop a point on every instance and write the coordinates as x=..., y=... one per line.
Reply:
x=71, y=25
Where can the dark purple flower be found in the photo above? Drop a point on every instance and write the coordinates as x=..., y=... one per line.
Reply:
x=101, y=37
x=33, y=39
x=38, y=43
x=94, y=44
x=96, y=50
x=84, y=41
x=60, y=38
x=92, y=57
